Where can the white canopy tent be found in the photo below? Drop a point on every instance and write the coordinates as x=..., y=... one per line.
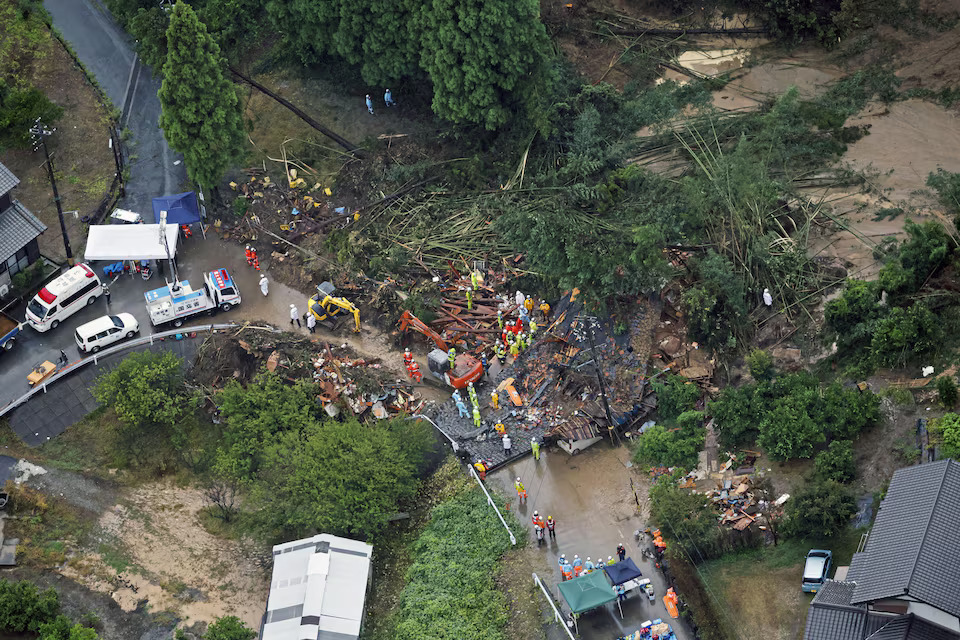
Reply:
x=130, y=242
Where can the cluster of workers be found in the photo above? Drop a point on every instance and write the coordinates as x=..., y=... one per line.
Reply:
x=577, y=567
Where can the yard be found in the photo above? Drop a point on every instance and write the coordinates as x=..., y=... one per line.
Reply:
x=759, y=590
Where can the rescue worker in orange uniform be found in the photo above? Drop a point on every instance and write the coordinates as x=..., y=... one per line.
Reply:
x=249, y=253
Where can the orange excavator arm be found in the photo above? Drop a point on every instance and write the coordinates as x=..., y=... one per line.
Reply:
x=409, y=321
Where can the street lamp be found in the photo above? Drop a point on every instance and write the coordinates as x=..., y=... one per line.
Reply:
x=39, y=134
x=584, y=330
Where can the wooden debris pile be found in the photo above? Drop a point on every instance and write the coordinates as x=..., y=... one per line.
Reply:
x=344, y=380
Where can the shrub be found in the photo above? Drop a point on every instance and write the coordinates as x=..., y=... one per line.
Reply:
x=761, y=365
x=673, y=447
x=945, y=432
x=675, y=395
x=792, y=415
x=820, y=509
x=836, y=463
x=947, y=391
x=688, y=518
x=450, y=592
x=734, y=416
x=23, y=607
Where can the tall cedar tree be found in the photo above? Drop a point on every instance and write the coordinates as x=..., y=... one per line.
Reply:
x=201, y=116
x=483, y=58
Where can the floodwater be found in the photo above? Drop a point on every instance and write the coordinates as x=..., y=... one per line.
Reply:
x=594, y=498
x=907, y=141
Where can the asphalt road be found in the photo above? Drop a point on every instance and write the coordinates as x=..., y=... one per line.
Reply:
x=107, y=51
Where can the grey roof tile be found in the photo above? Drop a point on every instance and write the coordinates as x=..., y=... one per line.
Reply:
x=912, y=548
x=895, y=629
x=923, y=630
x=829, y=622
x=835, y=592
x=17, y=228
x=7, y=180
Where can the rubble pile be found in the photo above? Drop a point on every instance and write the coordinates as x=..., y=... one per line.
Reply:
x=344, y=381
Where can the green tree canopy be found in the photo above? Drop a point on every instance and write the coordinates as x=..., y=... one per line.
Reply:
x=254, y=415
x=836, y=463
x=341, y=477
x=202, y=115
x=486, y=60
x=946, y=434
x=229, y=628
x=820, y=509
x=678, y=447
x=19, y=110
x=688, y=519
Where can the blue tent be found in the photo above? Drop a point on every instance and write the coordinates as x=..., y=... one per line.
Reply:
x=181, y=208
x=622, y=571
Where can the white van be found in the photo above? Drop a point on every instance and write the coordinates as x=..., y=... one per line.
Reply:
x=104, y=331
x=63, y=297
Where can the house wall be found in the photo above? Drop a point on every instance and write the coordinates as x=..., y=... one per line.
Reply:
x=934, y=615
x=5, y=201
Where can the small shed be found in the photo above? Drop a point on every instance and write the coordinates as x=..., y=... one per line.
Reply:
x=181, y=208
x=318, y=589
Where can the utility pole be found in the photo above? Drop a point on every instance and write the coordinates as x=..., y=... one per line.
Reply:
x=39, y=134
x=590, y=324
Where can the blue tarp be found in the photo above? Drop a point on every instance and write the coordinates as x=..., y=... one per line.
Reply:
x=622, y=571
x=181, y=208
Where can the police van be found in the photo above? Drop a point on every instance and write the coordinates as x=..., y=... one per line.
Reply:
x=63, y=297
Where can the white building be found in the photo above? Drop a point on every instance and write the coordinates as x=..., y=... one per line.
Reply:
x=318, y=589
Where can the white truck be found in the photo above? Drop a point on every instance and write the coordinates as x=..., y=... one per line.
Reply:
x=175, y=303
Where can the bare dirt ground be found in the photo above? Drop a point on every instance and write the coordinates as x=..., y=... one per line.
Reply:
x=83, y=162
x=154, y=549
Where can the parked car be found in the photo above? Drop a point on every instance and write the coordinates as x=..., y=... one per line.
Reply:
x=816, y=569
x=105, y=331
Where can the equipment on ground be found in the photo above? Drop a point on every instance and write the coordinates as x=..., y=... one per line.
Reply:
x=176, y=302
x=9, y=329
x=41, y=372
x=466, y=368
x=324, y=305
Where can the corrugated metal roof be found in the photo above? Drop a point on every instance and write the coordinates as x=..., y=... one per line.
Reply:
x=17, y=228
x=318, y=587
x=912, y=548
x=7, y=180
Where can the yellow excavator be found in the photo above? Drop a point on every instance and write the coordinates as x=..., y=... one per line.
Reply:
x=324, y=305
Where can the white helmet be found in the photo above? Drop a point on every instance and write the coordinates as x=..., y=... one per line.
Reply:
x=518, y=478
x=610, y=559
x=563, y=556
x=575, y=556
x=588, y=558
x=536, y=513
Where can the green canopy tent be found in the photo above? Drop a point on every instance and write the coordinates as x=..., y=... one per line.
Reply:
x=588, y=592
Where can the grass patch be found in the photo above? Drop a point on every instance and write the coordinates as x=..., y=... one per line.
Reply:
x=115, y=557
x=763, y=585
x=47, y=527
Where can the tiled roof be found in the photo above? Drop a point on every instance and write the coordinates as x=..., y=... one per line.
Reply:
x=830, y=622
x=913, y=546
x=835, y=592
x=17, y=228
x=7, y=180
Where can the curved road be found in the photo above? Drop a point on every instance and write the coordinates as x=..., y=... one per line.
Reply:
x=107, y=51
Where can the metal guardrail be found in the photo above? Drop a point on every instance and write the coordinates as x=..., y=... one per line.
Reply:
x=130, y=344
x=558, y=617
